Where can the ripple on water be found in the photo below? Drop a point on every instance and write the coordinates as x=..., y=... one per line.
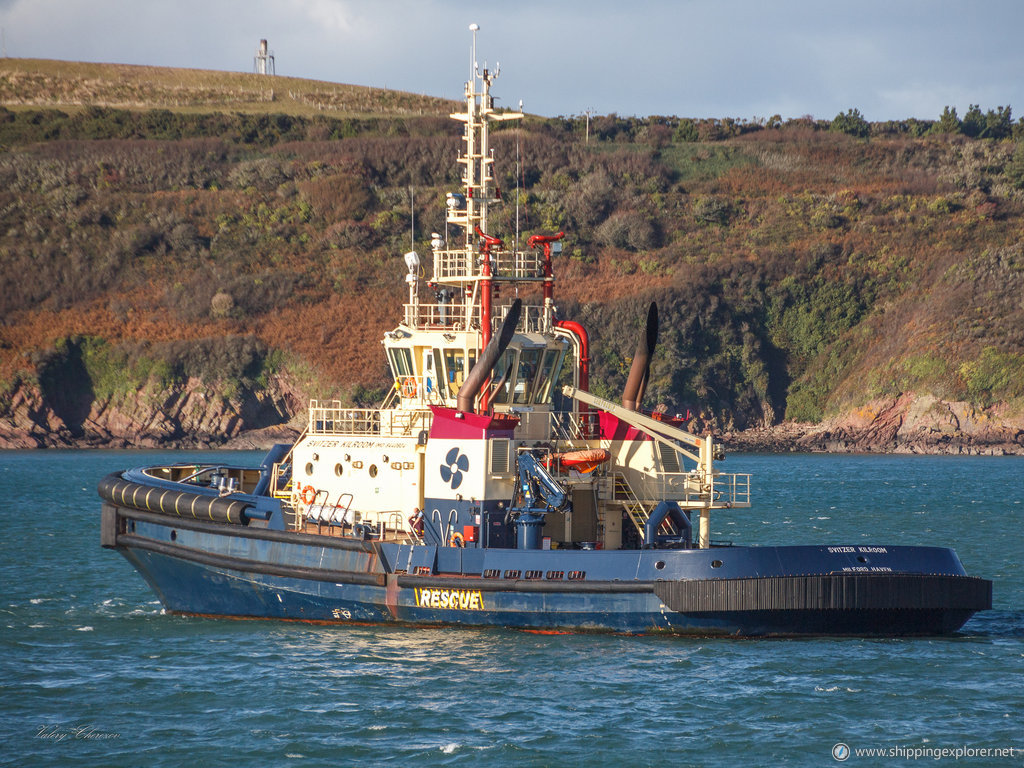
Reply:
x=94, y=648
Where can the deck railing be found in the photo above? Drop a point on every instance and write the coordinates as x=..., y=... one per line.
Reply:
x=452, y=315
x=505, y=265
x=724, y=491
x=456, y=317
x=332, y=419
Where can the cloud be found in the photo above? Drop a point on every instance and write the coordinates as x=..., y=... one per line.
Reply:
x=733, y=58
x=324, y=14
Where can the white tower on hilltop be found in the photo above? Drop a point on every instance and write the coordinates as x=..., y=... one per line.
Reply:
x=263, y=61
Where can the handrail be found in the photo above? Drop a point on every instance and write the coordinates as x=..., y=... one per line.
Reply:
x=335, y=420
x=506, y=264
x=722, y=490
x=638, y=511
x=273, y=490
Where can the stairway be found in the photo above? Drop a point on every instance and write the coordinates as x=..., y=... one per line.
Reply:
x=637, y=511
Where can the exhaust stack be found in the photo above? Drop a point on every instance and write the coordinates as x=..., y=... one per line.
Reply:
x=636, y=384
x=488, y=359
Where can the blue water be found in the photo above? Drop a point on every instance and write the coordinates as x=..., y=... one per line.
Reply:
x=92, y=673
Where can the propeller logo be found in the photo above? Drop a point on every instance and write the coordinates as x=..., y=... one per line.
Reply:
x=455, y=464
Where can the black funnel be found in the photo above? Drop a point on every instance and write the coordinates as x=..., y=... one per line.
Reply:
x=636, y=384
x=488, y=359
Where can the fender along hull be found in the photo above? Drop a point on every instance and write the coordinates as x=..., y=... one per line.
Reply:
x=224, y=570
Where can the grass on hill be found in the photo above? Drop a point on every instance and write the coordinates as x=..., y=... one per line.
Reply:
x=69, y=85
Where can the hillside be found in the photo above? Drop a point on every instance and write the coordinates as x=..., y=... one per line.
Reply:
x=74, y=85
x=172, y=276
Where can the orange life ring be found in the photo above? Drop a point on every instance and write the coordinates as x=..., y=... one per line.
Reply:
x=308, y=495
x=408, y=386
x=456, y=540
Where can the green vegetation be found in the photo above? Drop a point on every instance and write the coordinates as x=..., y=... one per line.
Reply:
x=105, y=371
x=994, y=376
x=852, y=124
x=801, y=267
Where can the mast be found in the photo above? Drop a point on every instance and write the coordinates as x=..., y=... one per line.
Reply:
x=472, y=269
x=471, y=259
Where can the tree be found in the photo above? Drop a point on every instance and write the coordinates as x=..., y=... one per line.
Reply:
x=949, y=122
x=1014, y=170
x=998, y=124
x=974, y=122
x=686, y=131
x=852, y=124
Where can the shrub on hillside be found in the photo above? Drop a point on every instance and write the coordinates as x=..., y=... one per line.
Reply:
x=852, y=124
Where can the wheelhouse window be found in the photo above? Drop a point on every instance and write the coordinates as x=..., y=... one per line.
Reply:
x=400, y=360
x=454, y=370
x=529, y=364
x=502, y=376
x=549, y=369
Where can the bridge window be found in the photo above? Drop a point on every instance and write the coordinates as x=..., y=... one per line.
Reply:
x=529, y=362
x=502, y=376
x=454, y=369
x=400, y=359
x=549, y=369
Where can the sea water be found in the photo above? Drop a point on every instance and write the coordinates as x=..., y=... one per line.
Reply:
x=92, y=672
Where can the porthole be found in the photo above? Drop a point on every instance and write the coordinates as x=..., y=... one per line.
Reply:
x=716, y=563
x=373, y=470
x=660, y=565
x=338, y=470
x=309, y=469
x=861, y=559
x=174, y=535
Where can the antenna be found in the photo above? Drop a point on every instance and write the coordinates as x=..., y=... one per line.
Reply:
x=518, y=171
x=412, y=217
x=474, y=28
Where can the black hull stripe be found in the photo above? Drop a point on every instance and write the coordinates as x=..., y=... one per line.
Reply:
x=130, y=541
x=520, y=585
x=237, y=531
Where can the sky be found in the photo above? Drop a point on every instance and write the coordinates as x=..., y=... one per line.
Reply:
x=748, y=59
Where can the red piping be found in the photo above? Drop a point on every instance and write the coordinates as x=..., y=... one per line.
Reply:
x=584, y=359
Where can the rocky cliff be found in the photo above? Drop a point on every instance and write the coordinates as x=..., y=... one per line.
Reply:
x=189, y=415
x=196, y=415
x=907, y=424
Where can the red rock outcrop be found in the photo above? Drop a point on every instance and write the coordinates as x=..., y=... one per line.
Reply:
x=907, y=424
x=191, y=415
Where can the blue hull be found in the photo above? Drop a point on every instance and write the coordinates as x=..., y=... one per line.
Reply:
x=223, y=569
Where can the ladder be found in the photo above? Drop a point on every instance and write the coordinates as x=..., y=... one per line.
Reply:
x=637, y=511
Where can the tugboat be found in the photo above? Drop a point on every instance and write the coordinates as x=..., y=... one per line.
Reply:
x=475, y=496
